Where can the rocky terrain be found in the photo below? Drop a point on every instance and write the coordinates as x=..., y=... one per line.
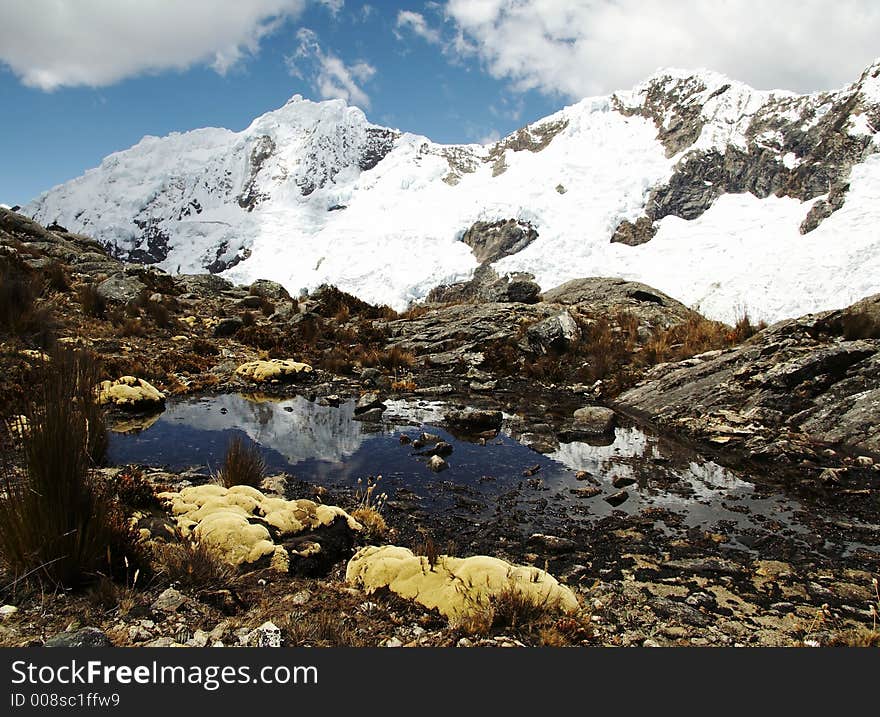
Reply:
x=792, y=406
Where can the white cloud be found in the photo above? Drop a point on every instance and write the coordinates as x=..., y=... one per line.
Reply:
x=327, y=73
x=415, y=22
x=583, y=47
x=51, y=44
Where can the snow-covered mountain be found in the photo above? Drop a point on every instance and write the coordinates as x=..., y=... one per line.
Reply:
x=723, y=196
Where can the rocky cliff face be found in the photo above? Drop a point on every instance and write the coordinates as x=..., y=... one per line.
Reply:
x=729, y=138
x=640, y=184
x=798, y=387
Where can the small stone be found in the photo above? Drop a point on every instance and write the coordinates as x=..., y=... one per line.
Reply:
x=371, y=416
x=301, y=597
x=617, y=498
x=594, y=420
x=367, y=402
x=464, y=642
x=442, y=449
x=161, y=642
x=650, y=643
x=7, y=611
x=392, y=642
x=474, y=420
x=169, y=601
x=622, y=481
x=199, y=639
x=437, y=464
x=553, y=543
x=136, y=633
x=219, y=632
x=266, y=635
x=590, y=492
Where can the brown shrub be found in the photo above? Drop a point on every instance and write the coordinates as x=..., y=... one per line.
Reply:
x=93, y=304
x=56, y=523
x=243, y=465
x=20, y=315
x=192, y=565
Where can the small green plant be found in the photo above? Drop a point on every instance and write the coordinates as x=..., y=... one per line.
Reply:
x=243, y=465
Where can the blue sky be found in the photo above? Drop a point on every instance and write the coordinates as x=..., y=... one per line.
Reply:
x=80, y=79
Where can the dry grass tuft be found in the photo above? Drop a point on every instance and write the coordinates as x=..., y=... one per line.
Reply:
x=243, y=465
x=57, y=525
x=193, y=565
x=368, y=511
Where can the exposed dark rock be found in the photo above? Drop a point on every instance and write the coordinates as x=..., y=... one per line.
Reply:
x=380, y=142
x=797, y=147
x=473, y=420
x=84, y=637
x=634, y=234
x=487, y=286
x=152, y=246
x=555, y=332
x=250, y=197
x=814, y=379
x=594, y=420
x=616, y=499
x=824, y=208
x=228, y=327
x=121, y=288
x=269, y=290
x=491, y=241
x=532, y=138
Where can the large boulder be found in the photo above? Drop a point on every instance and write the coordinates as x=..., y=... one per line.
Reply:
x=269, y=290
x=121, y=288
x=474, y=420
x=555, y=332
x=204, y=286
x=594, y=420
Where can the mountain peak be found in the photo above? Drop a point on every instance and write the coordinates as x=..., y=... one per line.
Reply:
x=697, y=184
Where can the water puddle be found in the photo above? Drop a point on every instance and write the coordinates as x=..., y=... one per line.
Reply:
x=325, y=445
